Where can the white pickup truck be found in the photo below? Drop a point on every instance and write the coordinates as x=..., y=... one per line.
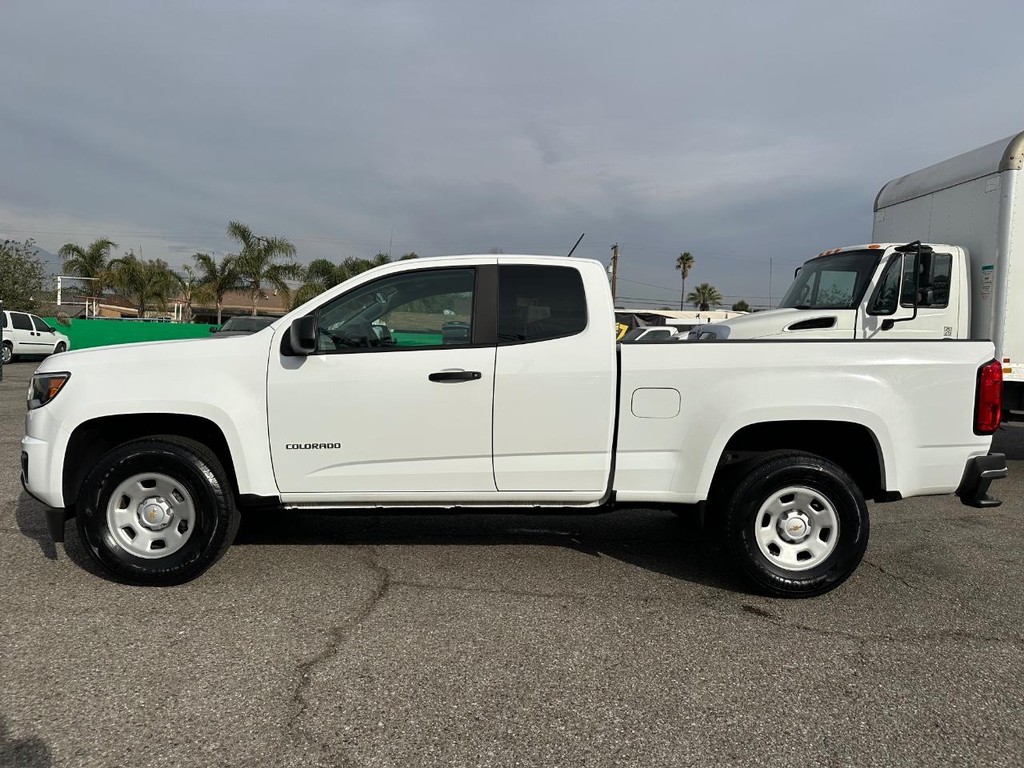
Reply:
x=495, y=382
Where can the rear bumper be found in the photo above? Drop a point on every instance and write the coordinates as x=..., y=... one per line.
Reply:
x=978, y=475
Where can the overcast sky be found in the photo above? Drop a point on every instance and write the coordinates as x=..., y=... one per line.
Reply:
x=743, y=132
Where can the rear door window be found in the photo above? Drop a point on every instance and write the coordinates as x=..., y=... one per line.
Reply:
x=538, y=303
x=21, y=321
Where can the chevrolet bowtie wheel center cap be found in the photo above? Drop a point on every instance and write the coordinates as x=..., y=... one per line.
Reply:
x=794, y=527
x=155, y=513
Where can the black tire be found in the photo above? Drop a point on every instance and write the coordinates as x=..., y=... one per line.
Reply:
x=8, y=352
x=61, y=347
x=197, y=479
x=830, y=494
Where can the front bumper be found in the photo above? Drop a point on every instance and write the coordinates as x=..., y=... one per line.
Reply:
x=56, y=517
x=41, y=461
x=978, y=475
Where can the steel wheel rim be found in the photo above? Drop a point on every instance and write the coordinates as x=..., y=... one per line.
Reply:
x=151, y=515
x=797, y=528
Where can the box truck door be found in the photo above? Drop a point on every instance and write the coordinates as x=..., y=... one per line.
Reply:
x=908, y=306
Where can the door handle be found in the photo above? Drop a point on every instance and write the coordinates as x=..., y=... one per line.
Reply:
x=454, y=376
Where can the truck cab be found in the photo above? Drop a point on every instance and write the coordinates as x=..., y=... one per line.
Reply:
x=875, y=291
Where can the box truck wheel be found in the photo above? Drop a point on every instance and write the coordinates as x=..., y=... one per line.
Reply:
x=157, y=510
x=796, y=525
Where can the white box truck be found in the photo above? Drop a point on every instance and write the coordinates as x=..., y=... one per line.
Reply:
x=958, y=284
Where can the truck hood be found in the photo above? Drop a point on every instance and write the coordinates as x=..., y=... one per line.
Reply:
x=205, y=378
x=186, y=356
x=774, y=322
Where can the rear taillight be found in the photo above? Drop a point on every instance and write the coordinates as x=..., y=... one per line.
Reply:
x=988, y=411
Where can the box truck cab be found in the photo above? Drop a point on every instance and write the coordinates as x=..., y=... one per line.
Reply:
x=945, y=239
x=881, y=290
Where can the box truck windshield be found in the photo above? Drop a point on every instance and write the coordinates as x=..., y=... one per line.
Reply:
x=835, y=281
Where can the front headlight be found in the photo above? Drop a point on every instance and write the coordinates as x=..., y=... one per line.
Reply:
x=44, y=387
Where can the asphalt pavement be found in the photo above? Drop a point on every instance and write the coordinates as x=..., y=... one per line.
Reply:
x=619, y=639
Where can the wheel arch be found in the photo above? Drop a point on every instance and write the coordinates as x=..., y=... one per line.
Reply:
x=91, y=439
x=850, y=445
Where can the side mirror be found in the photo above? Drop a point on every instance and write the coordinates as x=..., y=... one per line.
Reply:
x=214, y=330
x=303, y=335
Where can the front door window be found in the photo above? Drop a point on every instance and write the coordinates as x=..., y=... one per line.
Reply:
x=426, y=309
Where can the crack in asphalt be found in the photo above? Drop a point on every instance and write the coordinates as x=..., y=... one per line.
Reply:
x=509, y=592
x=901, y=580
x=957, y=634
x=337, y=637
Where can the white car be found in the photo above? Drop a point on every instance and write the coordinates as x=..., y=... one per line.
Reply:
x=27, y=334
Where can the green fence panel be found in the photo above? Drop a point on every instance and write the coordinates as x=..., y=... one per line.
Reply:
x=83, y=333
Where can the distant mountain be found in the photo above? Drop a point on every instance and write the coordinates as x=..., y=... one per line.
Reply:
x=52, y=263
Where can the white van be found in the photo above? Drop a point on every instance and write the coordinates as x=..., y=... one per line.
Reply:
x=26, y=334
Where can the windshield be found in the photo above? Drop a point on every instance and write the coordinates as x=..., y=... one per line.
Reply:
x=832, y=282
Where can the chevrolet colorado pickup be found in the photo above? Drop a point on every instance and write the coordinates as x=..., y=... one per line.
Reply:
x=494, y=382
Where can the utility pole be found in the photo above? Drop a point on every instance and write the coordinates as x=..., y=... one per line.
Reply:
x=615, y=268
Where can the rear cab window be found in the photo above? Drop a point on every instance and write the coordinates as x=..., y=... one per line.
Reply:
x=539, y=302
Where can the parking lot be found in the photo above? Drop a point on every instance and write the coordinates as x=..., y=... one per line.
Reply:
x=497, y=640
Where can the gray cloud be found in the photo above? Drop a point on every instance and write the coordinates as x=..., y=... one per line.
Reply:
x=742, y=132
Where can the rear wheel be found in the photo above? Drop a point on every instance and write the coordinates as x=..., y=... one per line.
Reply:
x=797, y=525
x=7, y=352
x=157, y=510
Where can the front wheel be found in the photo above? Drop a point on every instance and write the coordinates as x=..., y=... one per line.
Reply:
x=157, y=511
x=797, y=525
x=61, y=347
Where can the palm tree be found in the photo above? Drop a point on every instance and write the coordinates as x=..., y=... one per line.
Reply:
x=258, y=262
x=144, y=282
x=704, y=297
x=188, y=284
x=322, y=274
x=684, y=264
x=90, y=262
x=215, y=279
x=352, y=266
